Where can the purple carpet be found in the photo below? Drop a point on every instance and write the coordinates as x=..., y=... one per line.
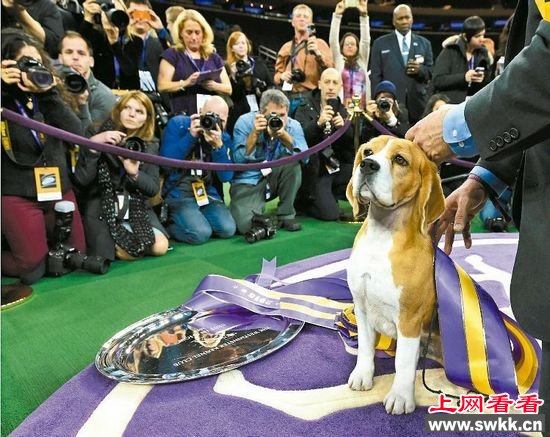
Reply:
x=293, y=392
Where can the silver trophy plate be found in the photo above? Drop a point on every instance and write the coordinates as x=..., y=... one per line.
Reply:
x=181, y=344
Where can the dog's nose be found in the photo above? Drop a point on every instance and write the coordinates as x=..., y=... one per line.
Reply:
x=369, y=166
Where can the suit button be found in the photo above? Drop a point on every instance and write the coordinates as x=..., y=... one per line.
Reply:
x=499, y=142
x=492, y=146
x=514, y=133
x=507, y=137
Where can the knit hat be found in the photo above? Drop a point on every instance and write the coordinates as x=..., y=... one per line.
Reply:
x=385, y=87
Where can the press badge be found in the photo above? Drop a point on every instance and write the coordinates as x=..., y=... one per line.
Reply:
x=199, y=190
x=48, y=183
x=252, y=102
x=287, y=86
x=266, y=171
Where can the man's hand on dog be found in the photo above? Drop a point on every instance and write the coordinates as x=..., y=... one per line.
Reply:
x=460, y=208
x=428, y=134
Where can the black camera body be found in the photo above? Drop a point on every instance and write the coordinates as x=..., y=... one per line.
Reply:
x=384, y=104
x=62, y=258
x=74, y=82
x=297, y=75
x=36, y=72
x=210, y=120
x=331, y=162
x=275, y=122
x=117, y=17
x=135, y=144
x=262, y=228
x=244, y=68
x=311, y=31
x=161, y=114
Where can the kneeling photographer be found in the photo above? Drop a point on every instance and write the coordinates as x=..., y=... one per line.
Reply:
x=386, y=110
x=34, y=166
x=196, y=209
x=249, y=77
x=118, y=219
x=326, y=175
x=267, y=135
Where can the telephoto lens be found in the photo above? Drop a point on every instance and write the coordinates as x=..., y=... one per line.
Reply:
x=74, y=82
x=36, y=72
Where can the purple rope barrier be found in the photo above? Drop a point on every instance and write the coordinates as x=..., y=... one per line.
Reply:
x=380, y=128
x=160, y=160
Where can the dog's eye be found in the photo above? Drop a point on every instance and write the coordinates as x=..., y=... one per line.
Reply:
x=399, y=160
x=367, y=152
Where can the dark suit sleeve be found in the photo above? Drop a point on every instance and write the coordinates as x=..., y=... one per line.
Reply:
x=512, y=113
x=425, y=73
x=375, y=65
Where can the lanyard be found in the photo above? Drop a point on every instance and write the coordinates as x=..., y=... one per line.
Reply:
x=143, y=53
x=199, y=69
x=471, y=63
x=24, y=114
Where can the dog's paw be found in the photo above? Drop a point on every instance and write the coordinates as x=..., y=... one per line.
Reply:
x=361, y=378
x=399, y=403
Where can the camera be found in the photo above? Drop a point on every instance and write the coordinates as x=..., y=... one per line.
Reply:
x=62, y=258
x=331, y=162
x=297, y=75
x=384, y=104
x=262, y=228
x=311, y=31
x=210, y=120
x=117, y=17
x=161, y=115
x=244, y=68
x=74, y=82
x=134, y=144
x=274, y=122
x=479, y=70
x=36, y=72
x=259, y=86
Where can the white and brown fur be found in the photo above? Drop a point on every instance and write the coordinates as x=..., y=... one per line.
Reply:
x=390, y=271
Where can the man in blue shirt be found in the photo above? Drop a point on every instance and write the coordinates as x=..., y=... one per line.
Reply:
x=196, y=210
x=267, y=135
x=508, y=123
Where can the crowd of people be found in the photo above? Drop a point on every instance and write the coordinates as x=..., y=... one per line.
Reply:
x=117, y=75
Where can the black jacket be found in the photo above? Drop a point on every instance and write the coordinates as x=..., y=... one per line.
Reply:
x=451, y=65
x=18, y=178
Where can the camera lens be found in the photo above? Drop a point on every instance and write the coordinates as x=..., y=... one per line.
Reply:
x=96, y=264
x=274, y=122
x=255, y=234
x=384, y=105
x=209, y=121
x=135, y=144
x=36, y=72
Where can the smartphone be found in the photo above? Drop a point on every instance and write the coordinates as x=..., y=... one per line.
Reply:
x=141, y=15
x=350, y=4
x=480, y=70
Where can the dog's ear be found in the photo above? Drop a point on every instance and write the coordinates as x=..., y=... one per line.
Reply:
x=430, y=196
x=349, y=190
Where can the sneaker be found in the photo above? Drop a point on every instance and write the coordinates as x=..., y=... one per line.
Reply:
x=290, y=225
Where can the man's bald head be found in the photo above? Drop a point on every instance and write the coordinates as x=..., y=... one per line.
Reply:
x=402, y=19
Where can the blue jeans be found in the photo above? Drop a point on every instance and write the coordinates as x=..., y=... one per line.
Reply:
x=194, y=224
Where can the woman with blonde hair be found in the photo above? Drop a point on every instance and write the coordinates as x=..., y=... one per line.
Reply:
x=191, y=69
x=119, y=221
x=248, y=74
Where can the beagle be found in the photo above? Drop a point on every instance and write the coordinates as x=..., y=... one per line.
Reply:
x=390, y=271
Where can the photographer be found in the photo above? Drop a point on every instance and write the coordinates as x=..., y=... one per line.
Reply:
x=301, y=60
x=266, y=136
x=196, y=210
x=27, y=155
x=116, y=51
x=39, y=18
x=97, y=101
x=386, y=110
x=118, y=218
x=464, y=65
x=249, y=77
x=326, y=175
